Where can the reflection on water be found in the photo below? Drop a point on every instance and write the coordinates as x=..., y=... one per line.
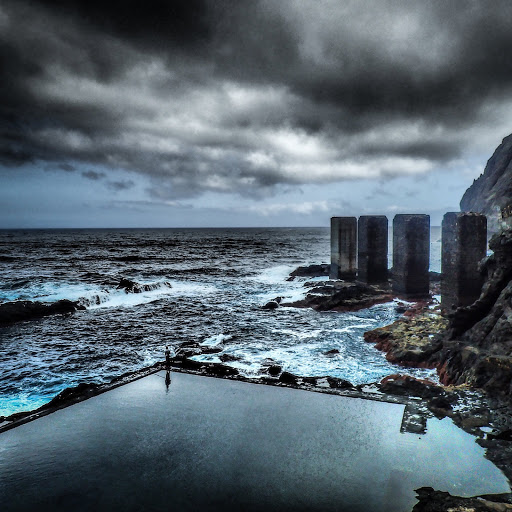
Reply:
x=212, y=444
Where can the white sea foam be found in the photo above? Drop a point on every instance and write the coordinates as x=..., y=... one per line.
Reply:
x=190, y=289
x=272, y=275
x=302, y=334
x=353, y=327
x=113, y=298
x=215, y=340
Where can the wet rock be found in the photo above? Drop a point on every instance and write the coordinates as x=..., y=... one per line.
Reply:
x=272, y=304
x=342, y=296
x=339, y=383
x=18, y=311
x=274, y=370
x=475, y=420
x=476, y=348
x=332, y=353
x=410, y=341
x=288, y=378
x=130, y=286
x=310, y=271
x=406, y=385
x=69, y=394
x=430, y=500
x=227, y=358
x=502, y=436
x=220, y=370
x=312, y=381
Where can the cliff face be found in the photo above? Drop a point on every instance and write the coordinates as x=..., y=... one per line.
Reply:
x=493, y=189
x=477, y=346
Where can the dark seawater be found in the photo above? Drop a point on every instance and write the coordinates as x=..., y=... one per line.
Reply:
x=207, y=285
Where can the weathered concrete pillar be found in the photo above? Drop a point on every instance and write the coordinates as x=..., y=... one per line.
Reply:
x=464, y=245
x=411, y=254
x=343, y=247
x=372, y=252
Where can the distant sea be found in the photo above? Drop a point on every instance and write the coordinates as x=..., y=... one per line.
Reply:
x=206, y=285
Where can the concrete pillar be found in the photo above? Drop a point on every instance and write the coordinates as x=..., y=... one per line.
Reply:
x=464, y=245
x=411, y=255
x=343, y=247
x=372, y=253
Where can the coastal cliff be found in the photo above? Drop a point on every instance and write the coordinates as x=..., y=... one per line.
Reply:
x=493, y=189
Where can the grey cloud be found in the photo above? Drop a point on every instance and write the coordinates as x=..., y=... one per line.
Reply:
x=120, y=185
x=66, y=167
x=250, y=97
x=93, y=175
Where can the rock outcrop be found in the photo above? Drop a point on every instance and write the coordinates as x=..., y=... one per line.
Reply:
x=130, y=286
x=341, y=296
x=477, y=346
x=473, y=346
x=430, y=500
x=315, y=270
x=21, y=310
x=411, y=340
x=493, y=189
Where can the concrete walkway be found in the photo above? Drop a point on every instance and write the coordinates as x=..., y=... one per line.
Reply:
x=211, y=444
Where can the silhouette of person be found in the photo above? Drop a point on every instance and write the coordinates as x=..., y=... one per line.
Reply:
x=167, y=356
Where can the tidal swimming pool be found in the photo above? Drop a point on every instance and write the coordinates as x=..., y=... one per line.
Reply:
x=210, y=444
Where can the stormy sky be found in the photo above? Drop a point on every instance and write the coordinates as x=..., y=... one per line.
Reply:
x=246, y=112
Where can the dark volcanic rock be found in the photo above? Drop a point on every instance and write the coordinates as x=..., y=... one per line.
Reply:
x=430, y=500
x=493, y=189
x=409, y=386
x=339, y=383
x=69, y=394
x=18, y=311
x=477, y=347
x=411, y=340
x=274, y=370
x=341, y=296
x=272, y=304
x=130, y=286
x=287, y=378
x=311, y=271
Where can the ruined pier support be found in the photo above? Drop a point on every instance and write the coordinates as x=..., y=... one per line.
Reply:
x=343, y=248
x=372, y=233
x=464, y=245
x=411, y=254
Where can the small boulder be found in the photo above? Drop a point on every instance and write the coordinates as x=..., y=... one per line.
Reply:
x=270, y=305
x=334, y=382
x=274, y=370
x=288, y=378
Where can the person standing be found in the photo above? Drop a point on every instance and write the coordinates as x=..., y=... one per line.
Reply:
x=167, y=356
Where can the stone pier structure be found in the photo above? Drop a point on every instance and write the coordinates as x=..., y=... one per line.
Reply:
x=343, y=248
x=464, y=245
x=372, y=256
x=411, y=255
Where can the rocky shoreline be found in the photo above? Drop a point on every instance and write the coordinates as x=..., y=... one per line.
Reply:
x=464, y=346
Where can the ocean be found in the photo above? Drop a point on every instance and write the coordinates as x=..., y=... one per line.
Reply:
x=203, y=285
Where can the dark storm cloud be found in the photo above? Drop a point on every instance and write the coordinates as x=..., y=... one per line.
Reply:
x=246, y=96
